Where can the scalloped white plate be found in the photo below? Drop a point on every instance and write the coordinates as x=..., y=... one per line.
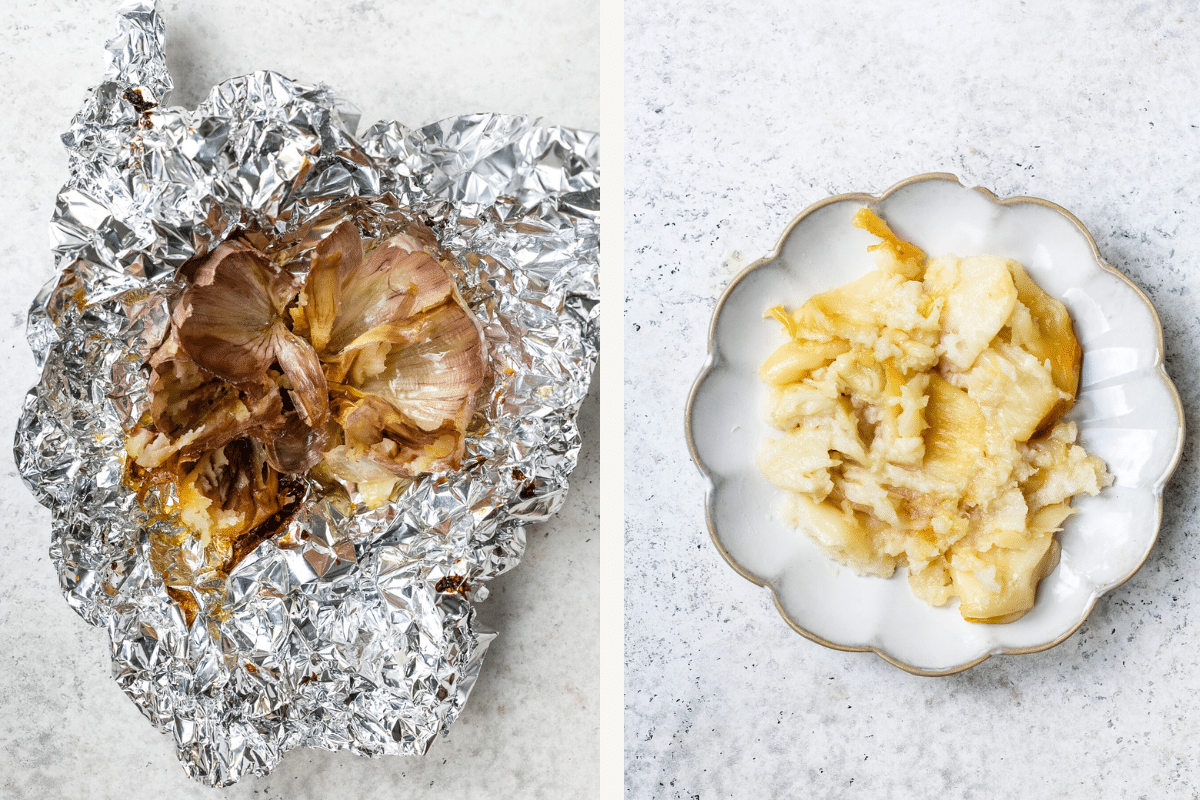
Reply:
x=1128, y=413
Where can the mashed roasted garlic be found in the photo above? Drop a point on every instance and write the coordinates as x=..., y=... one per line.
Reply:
x=921, y=412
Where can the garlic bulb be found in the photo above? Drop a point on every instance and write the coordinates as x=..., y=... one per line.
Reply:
x=357, y=365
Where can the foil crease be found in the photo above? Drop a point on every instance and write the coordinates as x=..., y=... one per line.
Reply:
x=353, y=631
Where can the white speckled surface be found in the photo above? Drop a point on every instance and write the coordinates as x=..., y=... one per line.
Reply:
x=529, y=729
x=738, y=120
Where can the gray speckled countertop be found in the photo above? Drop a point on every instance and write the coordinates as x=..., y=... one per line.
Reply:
x=739, y=119
x=529, y=729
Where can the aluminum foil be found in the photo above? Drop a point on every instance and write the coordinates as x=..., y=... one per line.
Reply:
x=350, y=631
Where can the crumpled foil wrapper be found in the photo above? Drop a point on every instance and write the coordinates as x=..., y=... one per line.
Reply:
x=359, y=631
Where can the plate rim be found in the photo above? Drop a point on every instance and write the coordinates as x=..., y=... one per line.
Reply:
x=872, y=201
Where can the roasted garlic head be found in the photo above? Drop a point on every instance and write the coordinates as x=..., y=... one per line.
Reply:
x=357, y=365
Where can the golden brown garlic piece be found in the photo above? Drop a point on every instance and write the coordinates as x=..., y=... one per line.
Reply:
x=363, y=373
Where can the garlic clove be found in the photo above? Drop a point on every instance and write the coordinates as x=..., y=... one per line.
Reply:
x=338, y=254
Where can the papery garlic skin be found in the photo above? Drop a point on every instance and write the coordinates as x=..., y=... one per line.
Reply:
x=403, y=356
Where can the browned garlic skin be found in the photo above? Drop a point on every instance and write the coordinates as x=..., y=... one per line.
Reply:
x=232, y=322
x=196, y=412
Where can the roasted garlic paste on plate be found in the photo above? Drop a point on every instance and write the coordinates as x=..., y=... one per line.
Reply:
x=921, y=415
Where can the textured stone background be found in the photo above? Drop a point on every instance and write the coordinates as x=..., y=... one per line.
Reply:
x=68, y=731
x=737, y=119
